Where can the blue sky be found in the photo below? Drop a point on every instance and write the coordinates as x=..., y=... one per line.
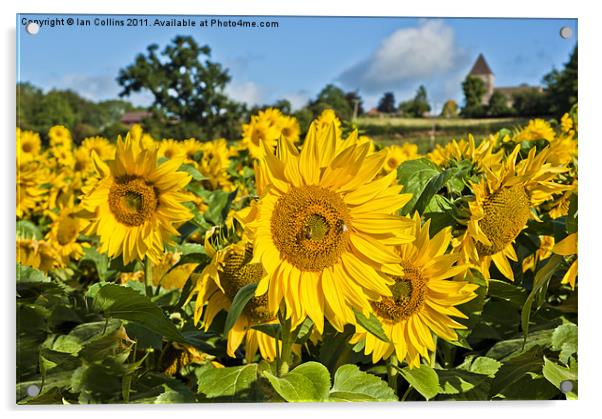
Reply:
x=303, y=54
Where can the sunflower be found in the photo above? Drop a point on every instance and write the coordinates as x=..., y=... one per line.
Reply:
x=214, y=164
x=327, y=118
x=536, y=129
x=191, y=147
x=423, y=300
x=231, y=269
x=256, y=133
x=170, y=149
x=289, y=128
x=38, y=254
x=568, y=247
x=458, y=150
x=28, y=146
x=324, y=228
x=64, y=231
x=101, y=146
x=30, y=194
x=137, y=202
x=397, y=154
x=502, y=205
x=60, y=137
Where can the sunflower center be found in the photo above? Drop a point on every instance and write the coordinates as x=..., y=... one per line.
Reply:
x=505, y=214
x=408, y=296
x=132, y=201
x=258, y=135
x=238, y=272
x=310, y=227
x=27, y=147
x=168, y=153
x=286, y=131
x=68, y=229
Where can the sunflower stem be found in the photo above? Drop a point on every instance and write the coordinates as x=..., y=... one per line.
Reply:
x=148, y=276
x=434, y=356
x=288, y=338
x=392, y=372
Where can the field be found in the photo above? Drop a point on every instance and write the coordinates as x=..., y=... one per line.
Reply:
x=287, y=266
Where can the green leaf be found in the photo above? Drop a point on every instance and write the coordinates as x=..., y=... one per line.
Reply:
x=484, y=365
x=270, y=329
x=473, y=309
x=542, y=278
x=242, y=297
x=99, y=260
x=192, y=172
x=126, y=304
x=424, y=379
x=219, y=203
x=432, y=187
x=175, y=392
x=226, y=382
x=414, y=175
x=556, y=374
x=309, y=382
x=564, y=339
x=514, y=369
x=28, y=230
x=507, y=349
x=353, y=385
x=456, y=381
x=28, y=274
x=507, y=291
x=372, y=325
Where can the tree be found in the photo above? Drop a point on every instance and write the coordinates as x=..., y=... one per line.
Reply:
x=498, y=105
x=187, y=88
x=561, y=86
x=354, y=99
x=531, y=102
x=474, y=89
x=418, y=106
x=386, y=104
x=334, y=98
x=450, y=109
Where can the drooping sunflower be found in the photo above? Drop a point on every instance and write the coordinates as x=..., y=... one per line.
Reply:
x=137, y=202
x=38, y=254
x=324, y=228
x=423, y=300
x=230, y=270
x=503, y=203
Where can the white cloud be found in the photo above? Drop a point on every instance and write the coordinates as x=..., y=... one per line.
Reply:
x=405, y=57
x=297, y=99
x=247, y=92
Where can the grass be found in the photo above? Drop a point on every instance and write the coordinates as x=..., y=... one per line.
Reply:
x=426, y=132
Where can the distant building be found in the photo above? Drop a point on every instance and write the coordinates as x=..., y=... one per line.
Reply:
x=481, y=70
x=130, y=118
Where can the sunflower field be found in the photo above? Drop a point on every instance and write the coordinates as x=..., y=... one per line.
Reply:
x=292, y=266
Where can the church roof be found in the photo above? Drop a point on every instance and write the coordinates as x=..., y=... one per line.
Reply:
x=480, y=67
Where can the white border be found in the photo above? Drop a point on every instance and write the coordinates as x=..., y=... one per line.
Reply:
x=590, y=147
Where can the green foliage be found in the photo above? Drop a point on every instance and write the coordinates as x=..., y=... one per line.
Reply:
x=353, y=385
x=562, y=87
x=498, y=105
x=474, y=90
x=450, y=109
x=187, y=90
x=418, y=107
x=424, y=379
x=531, y=102
x=232, y=382
x=242, y=297
x=330, y=97
x=371, y=324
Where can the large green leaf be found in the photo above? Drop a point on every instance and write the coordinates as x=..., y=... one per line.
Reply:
x=126, y=304
x=433, y=186
x=424, y=379
x=414, y=175
x=242, y=297
x=514, y=369
x=28, y=230
x=309, y=382
x=29, y=274
x=564, y=339
x=556, y=374
x=227, y=382
x=353, y=385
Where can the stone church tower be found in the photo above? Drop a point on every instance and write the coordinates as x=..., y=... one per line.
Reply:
x=481, y=70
